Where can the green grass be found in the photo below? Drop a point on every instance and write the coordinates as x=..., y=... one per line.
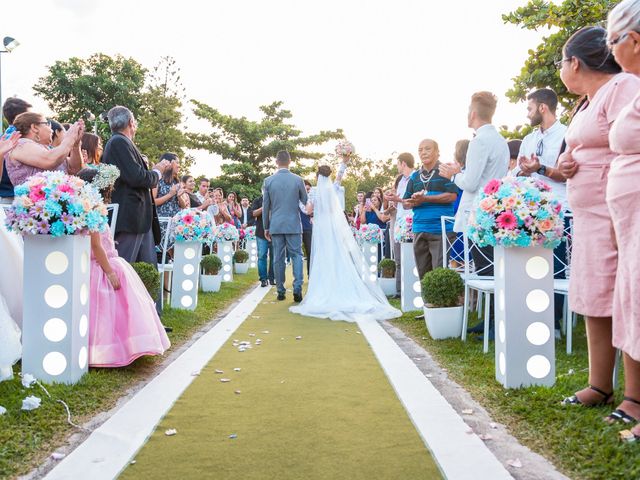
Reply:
x=575, y=439
x=316, y=408
x=26, y=438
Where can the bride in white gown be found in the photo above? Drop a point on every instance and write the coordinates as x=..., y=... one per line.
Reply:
x=337, y=289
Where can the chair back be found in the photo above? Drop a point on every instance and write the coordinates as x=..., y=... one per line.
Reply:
x=562, y=256
x=164, y=241
x=470, y=268
x=448, y=251
x=112, y=211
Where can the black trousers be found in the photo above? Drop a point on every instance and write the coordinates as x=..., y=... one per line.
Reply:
x=306, y=241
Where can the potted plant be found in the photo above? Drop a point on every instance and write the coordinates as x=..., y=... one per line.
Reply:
x=442, y=291
x=387, y=269
x=150, y=278
x=241, y=261
x=210, y=278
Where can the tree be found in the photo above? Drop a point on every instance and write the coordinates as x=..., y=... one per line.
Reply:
x=250, y=146
x=161, y=116
x=563, y=20
x=78, y=87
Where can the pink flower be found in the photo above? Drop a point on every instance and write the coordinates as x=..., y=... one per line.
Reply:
x=545, y=225
x=188, y=219
x=487, y=204
x=492, y=187
x=509, y=202
x=36, y=194
x=507, y=220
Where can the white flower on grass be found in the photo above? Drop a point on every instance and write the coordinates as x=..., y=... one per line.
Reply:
x=31, y=403
x=28, y=380
x=2, y=410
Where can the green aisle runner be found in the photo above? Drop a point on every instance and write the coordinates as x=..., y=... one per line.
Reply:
x=315, y=408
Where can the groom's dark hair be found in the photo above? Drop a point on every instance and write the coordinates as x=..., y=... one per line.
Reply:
x=283, y=158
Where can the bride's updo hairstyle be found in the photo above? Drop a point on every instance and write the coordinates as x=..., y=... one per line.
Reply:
x=324, y=170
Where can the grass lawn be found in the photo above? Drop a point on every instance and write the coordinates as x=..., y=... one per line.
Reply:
x=575, y=439
x=26, y=438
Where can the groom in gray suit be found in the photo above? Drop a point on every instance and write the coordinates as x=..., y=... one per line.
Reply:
x=283, y=191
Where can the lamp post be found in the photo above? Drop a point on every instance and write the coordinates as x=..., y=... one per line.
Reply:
x=9, y=44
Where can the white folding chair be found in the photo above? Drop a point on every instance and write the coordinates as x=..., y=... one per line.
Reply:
x=561, y=285
x=163, y=265
x=113, y=209
x=448, y=253
x=475, y=281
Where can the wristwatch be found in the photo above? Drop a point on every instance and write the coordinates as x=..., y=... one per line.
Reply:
x=542, y=170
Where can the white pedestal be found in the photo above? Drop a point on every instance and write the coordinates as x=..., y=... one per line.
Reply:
x=225, y=252
x=410, y=288
x=370, y=253
x=186, y=275
x=56, y=307
x=525, y=348
x=251, y=246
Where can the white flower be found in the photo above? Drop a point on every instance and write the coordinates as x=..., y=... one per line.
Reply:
x=31, y=403
x=28, y=380
x=2, y=410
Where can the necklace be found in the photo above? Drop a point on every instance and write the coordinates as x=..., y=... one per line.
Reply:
x=426, y=180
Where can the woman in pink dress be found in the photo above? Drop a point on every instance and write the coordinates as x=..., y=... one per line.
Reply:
x=123, y=322
x=588, y=68
x=623, y=198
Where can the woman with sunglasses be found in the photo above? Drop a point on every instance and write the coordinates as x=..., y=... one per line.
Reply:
x=588, y=68
x=623, y=199
x=33, y=153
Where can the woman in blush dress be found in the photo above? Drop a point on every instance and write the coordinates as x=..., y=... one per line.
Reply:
x=124, y=324
x=588, y=68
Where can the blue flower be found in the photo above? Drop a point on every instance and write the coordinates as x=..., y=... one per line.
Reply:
x=504, y=191
x=75, y=208
x=523, y=239
x=542, y=214
x=57, y=228
x=52, y=207
x=20, y=190
x=532, y=195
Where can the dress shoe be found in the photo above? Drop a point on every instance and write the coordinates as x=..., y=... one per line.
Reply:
x=281, y=296
x=492, y=336
x=297, y=297
x=168, y=329
x=479, y=328
x=264, y=283
x=272, y=282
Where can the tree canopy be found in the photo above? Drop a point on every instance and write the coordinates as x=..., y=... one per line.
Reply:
x=249, y=146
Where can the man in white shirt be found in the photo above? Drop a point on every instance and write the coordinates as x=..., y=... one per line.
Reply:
x=405, y=165
x=203, y=189
x=246, y=219
x=487, y=158
x=540, y=149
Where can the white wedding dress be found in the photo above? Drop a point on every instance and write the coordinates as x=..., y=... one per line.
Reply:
x=12, y=251
x=337, y=289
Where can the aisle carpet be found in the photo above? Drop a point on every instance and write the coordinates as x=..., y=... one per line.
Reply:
x=316, y=407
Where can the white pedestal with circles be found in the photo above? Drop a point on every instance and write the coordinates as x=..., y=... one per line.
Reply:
x=225, y=252
x=251, y=246
x=370, y=252
x=525, y=340
x=55, y=325
x=410, y=288
x=186, y=275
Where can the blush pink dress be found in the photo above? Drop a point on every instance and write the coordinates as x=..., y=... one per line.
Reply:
x=124, y=324
x=594, y=255
x=623, y=198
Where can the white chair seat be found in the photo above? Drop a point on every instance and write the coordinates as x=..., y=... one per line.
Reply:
x=484, y=285
x=561, y=285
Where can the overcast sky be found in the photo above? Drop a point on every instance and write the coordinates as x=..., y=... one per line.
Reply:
x=388, y=73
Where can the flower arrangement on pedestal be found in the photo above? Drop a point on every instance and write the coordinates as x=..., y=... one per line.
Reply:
x=226, y=232
x=56, y=204
x=369, y=233
x=345, y=148
x=517, y=212
x=193, y=226
x=403, y=231
x=250, y=234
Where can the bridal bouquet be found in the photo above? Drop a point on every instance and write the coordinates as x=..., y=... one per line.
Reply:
x=250, y=234
x=517, y=212
x=403, y=231
x=57, y=204
x=370, y=233
x=192, y=226
x=226, y=233
x=345, y=147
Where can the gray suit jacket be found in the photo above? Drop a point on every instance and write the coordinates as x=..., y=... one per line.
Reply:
x=283, y=191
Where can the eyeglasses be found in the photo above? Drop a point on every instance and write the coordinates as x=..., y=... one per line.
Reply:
x=616, y=41
x=47, y=123
x=540, y=148
x=558, y=63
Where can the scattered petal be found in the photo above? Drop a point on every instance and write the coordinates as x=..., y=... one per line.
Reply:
x=282, y=381
x=255, y=316
x=31, y=403
x=233, y=436
x=571, y=371
x=2, y=410
x=299, y=337
x=281, y=338
x=57, y=456
x=266, y=332
x=467, y=411
x=493, y=425
x=469, y=431
x=238, y=392
x=219, y=371
x=485, y=437
x=195, y=373
x=515, y=463
x=132, y=462
x=429, y=375
x=252, y=334
x=417, y=358
x=28, y=380
x=237, y=369
x=359, y=333
x=225, y=380
x=171, y=432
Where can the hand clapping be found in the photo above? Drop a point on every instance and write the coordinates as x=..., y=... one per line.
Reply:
x=567, y=165
x=448, y=170
x=8, y=144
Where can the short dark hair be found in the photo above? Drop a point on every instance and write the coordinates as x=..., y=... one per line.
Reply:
x=283, y=158
x=324, y=170
x=204, y=180
x=307, y=182
x=55, y=128
x=407, y=159
x=185, y=178
x=168, y=156
x=545, y=96
x=13, y=107
x=589, y=45
x=514, y=147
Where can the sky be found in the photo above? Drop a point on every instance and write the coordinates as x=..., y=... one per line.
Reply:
x=389, y=73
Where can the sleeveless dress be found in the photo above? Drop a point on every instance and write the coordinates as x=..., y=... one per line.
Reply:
x=124, y=324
